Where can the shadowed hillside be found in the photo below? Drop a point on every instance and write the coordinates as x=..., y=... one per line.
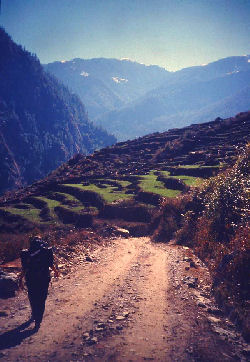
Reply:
x=42, y=124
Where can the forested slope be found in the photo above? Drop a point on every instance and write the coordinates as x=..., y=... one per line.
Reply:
x=41, y=123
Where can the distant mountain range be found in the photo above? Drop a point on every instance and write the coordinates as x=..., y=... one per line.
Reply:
x=107, y=84
x=42, y=124
x=130, y=99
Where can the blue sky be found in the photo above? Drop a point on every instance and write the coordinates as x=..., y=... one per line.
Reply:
x=171, y=33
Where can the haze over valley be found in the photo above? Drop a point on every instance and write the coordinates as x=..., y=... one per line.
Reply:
x=131, y=100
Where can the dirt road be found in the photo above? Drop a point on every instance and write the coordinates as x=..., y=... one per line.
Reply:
x=134, y=301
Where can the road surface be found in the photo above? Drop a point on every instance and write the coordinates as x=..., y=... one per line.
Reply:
x=134, y=300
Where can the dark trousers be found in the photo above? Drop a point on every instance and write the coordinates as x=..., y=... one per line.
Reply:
x=37, y=293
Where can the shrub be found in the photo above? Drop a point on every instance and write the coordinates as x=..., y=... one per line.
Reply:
x=173, y=183
x=11, y=246
x=219, y=234
x=214, y=221
x=226, y=202
x=170, y=217
x=45, y=214
x=71, y=217
x=128, y=212
x=148, y=198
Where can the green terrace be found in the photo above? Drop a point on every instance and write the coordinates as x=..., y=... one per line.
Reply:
x=149, y=183
x=108, y=192
x=29, y=212
x=111, y=190
x=191, y=181
x=33, y=213
x=114, y=189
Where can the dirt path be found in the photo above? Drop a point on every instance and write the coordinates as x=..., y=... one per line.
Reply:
x=136, y=301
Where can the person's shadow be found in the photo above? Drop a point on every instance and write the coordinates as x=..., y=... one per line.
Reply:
x=15, y=336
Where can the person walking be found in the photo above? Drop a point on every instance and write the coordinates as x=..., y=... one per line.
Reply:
x=36, y=264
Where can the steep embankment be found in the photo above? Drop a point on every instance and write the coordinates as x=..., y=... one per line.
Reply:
x=214, y=221
x=42, y=124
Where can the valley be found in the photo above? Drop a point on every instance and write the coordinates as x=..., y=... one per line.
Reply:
x=131, y=100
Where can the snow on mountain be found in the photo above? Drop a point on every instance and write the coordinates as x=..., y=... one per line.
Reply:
x=84, y=74
x=119, y=80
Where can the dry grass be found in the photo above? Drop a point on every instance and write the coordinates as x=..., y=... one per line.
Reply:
x=66, y=241
x=11, y=246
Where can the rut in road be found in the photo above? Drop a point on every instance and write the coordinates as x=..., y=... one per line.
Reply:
x=126, y=305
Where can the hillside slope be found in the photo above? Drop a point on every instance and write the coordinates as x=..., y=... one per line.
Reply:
x=41, y=123
x=126, y=182
x=205, y=144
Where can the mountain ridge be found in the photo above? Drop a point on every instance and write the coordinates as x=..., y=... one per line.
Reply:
x=140, y=114
x=125, y=79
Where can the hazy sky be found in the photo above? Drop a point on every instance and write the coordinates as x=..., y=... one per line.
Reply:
x=171, y=33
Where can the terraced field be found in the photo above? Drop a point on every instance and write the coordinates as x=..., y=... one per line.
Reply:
x=26, y=211
x=133, y=175
x=43, y=209
x=110, y=192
